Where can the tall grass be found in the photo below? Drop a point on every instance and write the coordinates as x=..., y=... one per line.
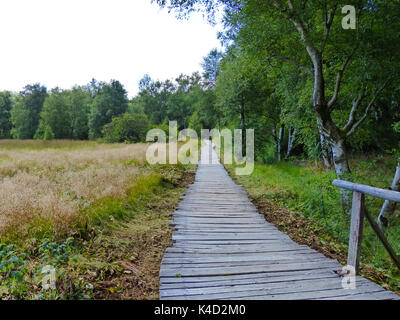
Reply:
x=47, y=189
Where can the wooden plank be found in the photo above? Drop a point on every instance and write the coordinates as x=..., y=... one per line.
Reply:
x=239, y=250
x=378, y=295
x=372, y=191
x=233, y=227
x=313, y=284
x=187, y=243
x=201, y=258
x=356, y=228
x=216, y=271
x=230, y=281
x=184, y=265
x=254, y=220
x=201, y=230
x=232, y=277
x=301, y=289
x=231, y=236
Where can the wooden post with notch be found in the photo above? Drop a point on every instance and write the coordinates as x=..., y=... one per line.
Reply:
x=356, y=229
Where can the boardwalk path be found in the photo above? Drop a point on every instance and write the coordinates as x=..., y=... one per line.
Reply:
x=224, y=249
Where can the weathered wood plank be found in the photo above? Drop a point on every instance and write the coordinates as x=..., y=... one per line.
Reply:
x=356, y=227
x=216, y=271
x=372, y=191
x=306, y=289
x=256, y=279
x=260, y=288
x=229, y=236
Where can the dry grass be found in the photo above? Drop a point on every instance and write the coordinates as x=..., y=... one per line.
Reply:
x=48, y=184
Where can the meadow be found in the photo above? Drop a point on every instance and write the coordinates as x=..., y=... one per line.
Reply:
x=65, y=203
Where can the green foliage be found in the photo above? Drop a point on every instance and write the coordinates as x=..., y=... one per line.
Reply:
x=110, y=101
x=12, y=271
x=48, y=133
x=5, y=115
x=55, y=115
x=128, y=127
x=26, y=110
x=210, y=67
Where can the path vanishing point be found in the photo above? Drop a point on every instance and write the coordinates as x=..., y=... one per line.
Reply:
x=224, y=249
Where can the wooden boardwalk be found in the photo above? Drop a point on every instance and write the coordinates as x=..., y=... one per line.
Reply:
x=224, y=249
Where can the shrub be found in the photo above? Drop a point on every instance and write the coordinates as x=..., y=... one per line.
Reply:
x=128, y=127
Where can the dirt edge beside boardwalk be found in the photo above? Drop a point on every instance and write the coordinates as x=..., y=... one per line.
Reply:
x=138, y=249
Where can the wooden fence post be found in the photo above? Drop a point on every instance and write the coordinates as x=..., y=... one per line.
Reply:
x=356, y=229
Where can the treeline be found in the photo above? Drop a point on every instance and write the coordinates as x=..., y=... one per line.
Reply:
x=102, y=111
x=79, y=113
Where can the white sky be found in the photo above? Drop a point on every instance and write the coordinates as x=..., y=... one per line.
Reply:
x=67, y=42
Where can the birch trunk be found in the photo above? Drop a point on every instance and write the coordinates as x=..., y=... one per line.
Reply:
x=291, y=139
x=325, y=151
x=342, y=168
x=243, y=126
x=280, y=138
x=389, y=207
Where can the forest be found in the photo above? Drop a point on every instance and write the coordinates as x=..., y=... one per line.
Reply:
x=324, y=103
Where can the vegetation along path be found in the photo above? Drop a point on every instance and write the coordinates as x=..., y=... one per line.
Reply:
x=224, y=249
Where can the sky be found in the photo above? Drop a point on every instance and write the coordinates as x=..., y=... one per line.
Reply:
x=61, y=43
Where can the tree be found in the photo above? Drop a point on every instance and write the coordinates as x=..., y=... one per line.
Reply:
x=321, y=41
x=128, y=127
x=56, y=116
x=153, y=97
x=109, y=102
x=48, y=133
x=79, y=100
x=242, y=95
x=26, y=110
x=210, y=67
x=5, y=115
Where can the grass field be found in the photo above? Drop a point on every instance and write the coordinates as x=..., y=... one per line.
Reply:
x=300, y=199
x=96, y=212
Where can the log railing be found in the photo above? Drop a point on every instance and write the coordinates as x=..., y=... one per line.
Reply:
x=358, y=211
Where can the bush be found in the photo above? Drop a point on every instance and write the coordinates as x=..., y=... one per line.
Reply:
x=48, y=133
x=44, y=132
x=128, y=127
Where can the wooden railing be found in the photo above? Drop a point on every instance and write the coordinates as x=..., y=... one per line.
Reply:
x=358, y=211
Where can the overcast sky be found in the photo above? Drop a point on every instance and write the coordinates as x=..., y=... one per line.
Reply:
x=67, y=42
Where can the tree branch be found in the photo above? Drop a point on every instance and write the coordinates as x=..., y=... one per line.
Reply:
x=294, y=63
x=339, y=78
x=354, y=110
x=328, y=24
x=291, y=15
x=368, y=108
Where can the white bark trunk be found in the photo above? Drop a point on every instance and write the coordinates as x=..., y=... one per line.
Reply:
x=280, y=138
x=389, y=207
x=342, y=168
x=325, y=151
x=291, y=140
